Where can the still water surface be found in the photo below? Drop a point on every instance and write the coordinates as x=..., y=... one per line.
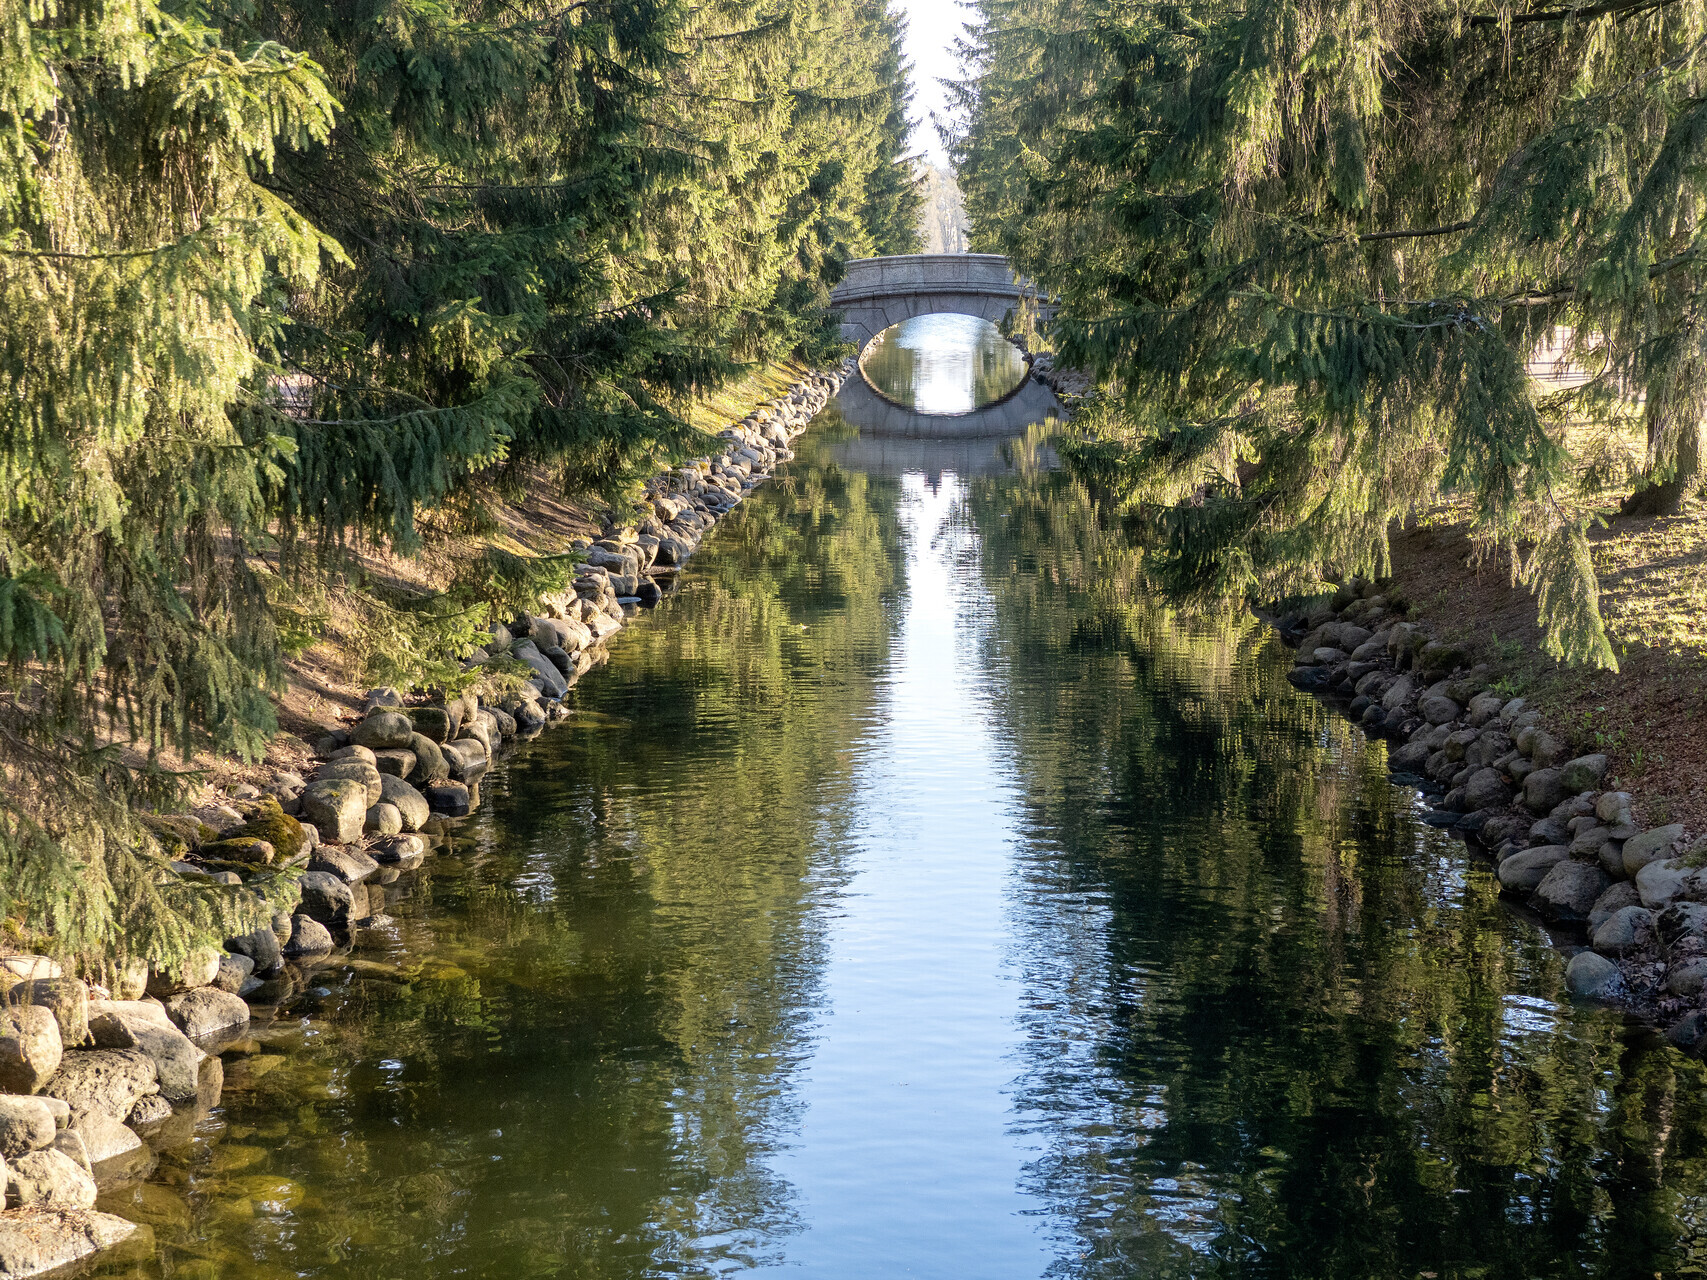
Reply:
x=943, y=364
x=913, y=897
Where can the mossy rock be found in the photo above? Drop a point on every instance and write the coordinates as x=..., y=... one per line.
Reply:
x=179, y=832
x=270, y=823
x=239, y=853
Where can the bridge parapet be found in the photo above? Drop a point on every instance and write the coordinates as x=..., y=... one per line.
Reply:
x=878, y=292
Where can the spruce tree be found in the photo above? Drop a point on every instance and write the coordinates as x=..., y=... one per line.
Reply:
x=1315, y=246
x=136, y=253
x=282, y=274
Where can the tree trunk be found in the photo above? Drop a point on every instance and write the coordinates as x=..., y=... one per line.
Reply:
x=1667, y=499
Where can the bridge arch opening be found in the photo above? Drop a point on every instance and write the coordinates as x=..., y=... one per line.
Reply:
x=943, y=363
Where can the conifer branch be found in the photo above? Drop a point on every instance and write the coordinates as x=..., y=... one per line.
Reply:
x=1614, y=8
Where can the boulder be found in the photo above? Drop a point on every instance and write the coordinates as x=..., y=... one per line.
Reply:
x=207, y=1011
x=382, y=730
x=38, y=1241
x=1524, y=872
x=109, y=1080
x=1679, y=921
x=30, y=967
x=430, y=763
x=364, y=754
x=149, y=1111
x=1585, y=772
x=431, y=722
x=1663, y=881
x=1615, y=899
x=1542, y=790
x=352, y=866
x=307, y=937
x=468, y=759
x=550, y=677
x=1567, y=893
x=1613, y=809
x=480, y=728
x=1486, y=789
x=337, y=807
x=30, y=1048
x=449, y=798
x=405, y=851
x=1437, y=658
x=398, y=762
x=197, y=969
x=1490, y=745
x=261, y=947
x=1398, y=693
x=1483, y=708
x=244, y=849
x=26, y=1124
x=325, y=897
x=410, y=804
x=1504, y=827
x=355, y=770
x=104, y=1138
x=1627, y=931
x=1650, y=846
x=382, y=820
x=1438, y=709
x=234, y=971
x=66, y=998
x=145, y=1027
x=1688, y=977
x=48, y=1180
x=1458, y=742
x=268, y=821
x=1592, y=977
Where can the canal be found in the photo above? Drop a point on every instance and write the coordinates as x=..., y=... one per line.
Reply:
x=913, y=896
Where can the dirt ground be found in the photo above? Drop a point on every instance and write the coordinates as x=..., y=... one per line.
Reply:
x=324, y=682
x=1651, y=716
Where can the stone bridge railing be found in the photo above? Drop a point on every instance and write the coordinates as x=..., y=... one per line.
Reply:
x=878, y=292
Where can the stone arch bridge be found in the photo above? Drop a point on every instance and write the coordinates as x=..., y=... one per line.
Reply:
x=878, y=292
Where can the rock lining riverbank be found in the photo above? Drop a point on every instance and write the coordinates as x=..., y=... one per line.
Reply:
x=96, y=1078
x=1629, y=903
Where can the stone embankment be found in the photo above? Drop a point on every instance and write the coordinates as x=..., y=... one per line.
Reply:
x=1630, y=903
x=94, y=1079
x=1068, y=384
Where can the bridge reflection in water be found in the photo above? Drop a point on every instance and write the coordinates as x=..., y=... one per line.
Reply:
x=873, y=415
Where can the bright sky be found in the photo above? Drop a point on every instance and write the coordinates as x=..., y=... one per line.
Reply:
x=932, y=28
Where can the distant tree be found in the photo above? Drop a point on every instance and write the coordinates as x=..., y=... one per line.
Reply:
x=1315, y=245
x=942, y=214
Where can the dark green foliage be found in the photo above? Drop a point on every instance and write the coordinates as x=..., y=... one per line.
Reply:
x=274, y=276
x=1312, y=250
